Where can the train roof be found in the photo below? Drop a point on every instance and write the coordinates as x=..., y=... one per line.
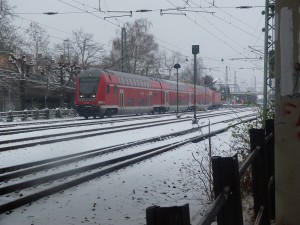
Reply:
x=98, y=72
x=95, y=72
x=128, y=75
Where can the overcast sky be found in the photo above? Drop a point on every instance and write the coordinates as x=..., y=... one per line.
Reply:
x=223, y=32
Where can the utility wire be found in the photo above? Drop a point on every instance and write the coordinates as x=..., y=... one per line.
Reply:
x=49, y=13
x=89, y=13
x=140, y=11
x=222, y=41
x=245, y=31
x=226, y=35
x=231, y=16
x=53, y=28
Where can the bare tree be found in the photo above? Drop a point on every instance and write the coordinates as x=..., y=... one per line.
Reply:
x=169, y=61
x=66, y=50
x=141, y=54
x=209, y=82
x=38, y=41
x=60, y=77
x=187, y=74
x=23, y=72
x=9, y=38
x=84, y=49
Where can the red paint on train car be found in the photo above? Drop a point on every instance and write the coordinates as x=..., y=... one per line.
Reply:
x=104, y=92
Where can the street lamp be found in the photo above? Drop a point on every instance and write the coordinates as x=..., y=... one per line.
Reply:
x=195, y=51
x=177, y=66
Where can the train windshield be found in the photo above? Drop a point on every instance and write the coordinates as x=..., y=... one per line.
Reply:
x=88, y=85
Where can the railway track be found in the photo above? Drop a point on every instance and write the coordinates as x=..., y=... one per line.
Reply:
x=29, y=182
x=15, y=126
x=8, y=130
x=8, y=144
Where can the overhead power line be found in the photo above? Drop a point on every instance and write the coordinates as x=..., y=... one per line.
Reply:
x=89, y=13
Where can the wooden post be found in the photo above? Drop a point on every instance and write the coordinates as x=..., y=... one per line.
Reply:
x=259, y=175
x=226, y=174
x=175, y=215
x=271, y=166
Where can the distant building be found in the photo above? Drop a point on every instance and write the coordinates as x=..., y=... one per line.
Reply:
x=39, y=92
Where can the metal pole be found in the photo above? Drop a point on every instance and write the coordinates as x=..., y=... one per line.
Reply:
x=177, y=66
x=177, y=91
x=266, y=62
x=9, y=97
x=195, y=80
x=205, y=96
x=124, y=62
x=195, y=51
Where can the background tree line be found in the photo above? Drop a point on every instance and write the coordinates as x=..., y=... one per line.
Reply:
x=30, y=51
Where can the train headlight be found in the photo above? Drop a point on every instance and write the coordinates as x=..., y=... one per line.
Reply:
x=93, y=96
x=81, y=96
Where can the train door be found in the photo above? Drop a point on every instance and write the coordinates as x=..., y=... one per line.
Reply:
x=190, y=98
x=150, y=98
x=121, y=103
x=166, y=98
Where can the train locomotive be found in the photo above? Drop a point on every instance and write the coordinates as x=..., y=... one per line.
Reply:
x=101, y=92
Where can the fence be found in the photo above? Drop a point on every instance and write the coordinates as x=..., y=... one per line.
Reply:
x=227, y=206
x=26, y=115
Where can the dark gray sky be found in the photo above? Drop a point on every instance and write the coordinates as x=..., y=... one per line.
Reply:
x=222, y=30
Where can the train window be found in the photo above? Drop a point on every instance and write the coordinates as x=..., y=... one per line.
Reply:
x=115, y=90
x=88, y=85
x=121, y=80
x=126, y=81
x=150, y=98
x=130, y=102
x=141, y=102
x=107, y=89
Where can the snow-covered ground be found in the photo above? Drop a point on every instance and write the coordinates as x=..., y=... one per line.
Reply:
x=122, y=197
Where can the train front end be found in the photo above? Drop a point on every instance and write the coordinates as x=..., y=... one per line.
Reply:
x=88, y=93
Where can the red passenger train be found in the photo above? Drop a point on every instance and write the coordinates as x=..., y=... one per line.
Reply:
x=102, y=93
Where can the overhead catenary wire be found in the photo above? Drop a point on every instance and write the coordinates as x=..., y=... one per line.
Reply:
x=222, y=41
x=237, y=19
x=60, y=38
x=143, y=10
x=47, y=26
x=230, y=23
x=211, y=33
x=89, y=13
x=123, y=11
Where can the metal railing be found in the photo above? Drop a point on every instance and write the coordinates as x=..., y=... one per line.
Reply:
x=227, y=206
x=38, y=114
x=226, y=176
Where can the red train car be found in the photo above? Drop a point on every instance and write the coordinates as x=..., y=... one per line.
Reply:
x=104, y=93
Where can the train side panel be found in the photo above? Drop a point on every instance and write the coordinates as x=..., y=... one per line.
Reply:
x=216, y=100
x=104, y=93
